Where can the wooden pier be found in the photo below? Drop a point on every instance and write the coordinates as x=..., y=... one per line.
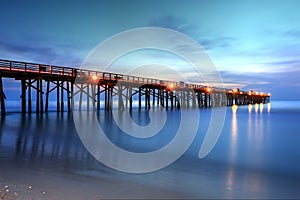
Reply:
x=95, y=90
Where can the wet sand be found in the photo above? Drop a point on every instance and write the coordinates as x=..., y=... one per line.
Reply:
x=30, y=183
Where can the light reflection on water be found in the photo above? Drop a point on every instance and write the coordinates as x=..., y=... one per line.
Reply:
x=233, y=146
x=256, y=107
x=250, y=108
x=261, y=107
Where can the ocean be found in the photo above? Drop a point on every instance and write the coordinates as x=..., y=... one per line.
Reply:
x=256, y=156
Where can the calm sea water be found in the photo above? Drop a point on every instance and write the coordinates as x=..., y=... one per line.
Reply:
x=256, y=156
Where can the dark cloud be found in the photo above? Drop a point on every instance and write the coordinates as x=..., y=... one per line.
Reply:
x=29, y=52
x=37, y=51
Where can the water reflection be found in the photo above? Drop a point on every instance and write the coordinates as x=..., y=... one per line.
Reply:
x=234, y=120
x=234, y=108
x=233, y=147
x=261, y=107
x=250, y=108
x=256, y=107
x=43, y=139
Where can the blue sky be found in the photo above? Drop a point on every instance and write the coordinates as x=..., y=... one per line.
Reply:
x=254, y=44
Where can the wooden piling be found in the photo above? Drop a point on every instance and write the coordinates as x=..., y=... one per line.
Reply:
x=98, y=96
x=29, y=96
x=23, y=95
x=69, y=97
x=140, y=98
x=37, y=100
x=2, y=97
x=47, y=96
x=57, y=97
x=62, y=105
x=41, y=95
x=130, y=98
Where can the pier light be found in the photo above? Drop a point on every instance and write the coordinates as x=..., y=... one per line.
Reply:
x=249, y=93
x=235, y=90
x=208, y=89
x=261, y=94
x=256, y=93
x=171, y=86
x=95, y=78
x=269, y=94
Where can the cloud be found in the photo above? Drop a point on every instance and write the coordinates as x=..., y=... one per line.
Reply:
x=284, y=62
x=38, y=51
x=292, y=33
x=204, y=37
x=173, y=22
x=28, y=52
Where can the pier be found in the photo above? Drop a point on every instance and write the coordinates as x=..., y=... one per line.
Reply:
x=97, y=90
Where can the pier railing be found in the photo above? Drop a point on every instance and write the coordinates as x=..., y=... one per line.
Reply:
x=51, y=70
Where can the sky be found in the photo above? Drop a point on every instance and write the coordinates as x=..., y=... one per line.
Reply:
x=255, y=45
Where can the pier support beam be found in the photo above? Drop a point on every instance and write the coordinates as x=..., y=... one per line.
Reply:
x=62, y=105
x=57, y=97
x=47, y=96
x=23, y=95
x=140, y=98
x=29, y=96
x=37, y=100
x=2, y=97
x=41, y=96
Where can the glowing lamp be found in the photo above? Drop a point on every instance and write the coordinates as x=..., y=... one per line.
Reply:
x=94, y=77
x=171, y=86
